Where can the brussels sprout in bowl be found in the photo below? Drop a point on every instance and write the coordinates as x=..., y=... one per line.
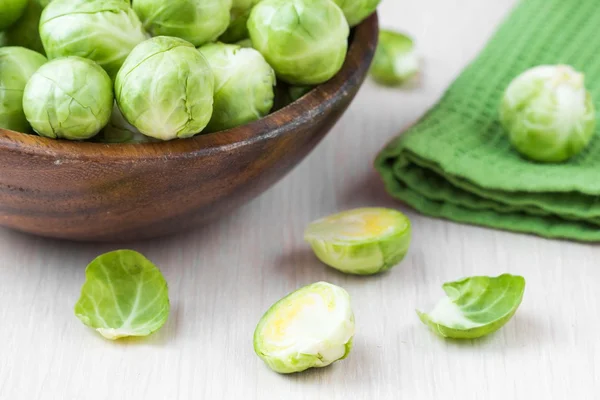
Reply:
x=88, y=191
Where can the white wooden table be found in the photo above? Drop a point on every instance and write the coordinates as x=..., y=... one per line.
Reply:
x=224, y=276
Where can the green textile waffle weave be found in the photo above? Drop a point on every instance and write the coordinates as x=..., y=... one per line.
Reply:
x=457, y=162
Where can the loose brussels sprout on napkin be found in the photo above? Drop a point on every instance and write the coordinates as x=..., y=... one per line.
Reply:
x=243, y=85
x=311, y=327
x=104, y=31
x=364, y=241
x=395, y=60
x=124, y=294
x=305, y=41
x=357, y=10
x=10, y=12
x=548, y=114
x=68, y=98
x=17, y=65
x=476, y=306
x=197, y=21
x=165, y=89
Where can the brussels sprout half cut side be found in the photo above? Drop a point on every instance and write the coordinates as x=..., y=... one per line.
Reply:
x=311, y=327
x=363, y=241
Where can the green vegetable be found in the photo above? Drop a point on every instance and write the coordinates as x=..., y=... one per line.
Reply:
x=2, y=39
x=357, y=10
x=305, y=41
x=240, y=12
x=165, y=89
x=247, y=43
x=243, y=85
x=395, y=60
x=25, y=32
x=17, y=65
x=10, y=12
x=363, y=241
x=476, y=306
x=197, y=21
x=119, y=130
x=124, y=294
x=104, y=31
x=311, y=327
x=296, y=92
x=68, y=98
x=548, y=114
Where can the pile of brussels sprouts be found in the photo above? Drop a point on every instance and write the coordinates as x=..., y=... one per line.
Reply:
x=144, y=70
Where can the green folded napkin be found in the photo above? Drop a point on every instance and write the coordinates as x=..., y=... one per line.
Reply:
x=457, y=162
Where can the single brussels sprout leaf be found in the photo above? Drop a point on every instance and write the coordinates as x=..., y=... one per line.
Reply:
x=363, y=241
x=17, y=65
x=548, y=114
x=305, y=41
x=395, y=60
x=244, y=84
x=165, y=89
x=197, y=21
x=124, y=294
x=119, y=130
x=104, y=31
x=357, y=10
x=10, y=12
x=68, y=98
x=25, y=32
x=240, y=12
x=311, y=327
x=476, y=306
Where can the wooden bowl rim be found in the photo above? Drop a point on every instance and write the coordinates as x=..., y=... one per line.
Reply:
x=318, y=101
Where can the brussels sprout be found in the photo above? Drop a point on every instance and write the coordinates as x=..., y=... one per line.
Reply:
x=165, y=89
x=68, y=98
x=25, y=32
x=10, y=12
x=243, y=85
x=197, y=21
x=548, y=114
x=124, y=294
x=247, y=43
x=104, y=31
x=296, y=92
x=357, y=10
x=17, y=65
x=44, y=3
x=363, y=241
x=305, y=41
x=476, y=306
x=119, y=130
x=238, y=29
x=395, y=60
x=2, y=39
x=311, y=327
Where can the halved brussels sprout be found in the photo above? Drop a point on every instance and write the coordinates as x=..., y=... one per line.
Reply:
x=197, y=21
x=17, y=65
x=243, y=85
x=25, y=32
x=476, y=306
x=395, y=60
x=305, y=41
x=311, y=327
x=548, y=114
x=68, y=98
x=124, y=294
x=363, y=241
x=357, y=10
x=165, y=89
x=10, y=12
x=104, y=31
x=238, y=29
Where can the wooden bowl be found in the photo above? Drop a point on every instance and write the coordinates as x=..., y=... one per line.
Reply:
x=124, y=192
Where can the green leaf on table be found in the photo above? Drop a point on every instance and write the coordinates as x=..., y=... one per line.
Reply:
x=124, y=294
x=475, y=306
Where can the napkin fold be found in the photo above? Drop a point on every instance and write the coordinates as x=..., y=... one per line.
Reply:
x=457, y=162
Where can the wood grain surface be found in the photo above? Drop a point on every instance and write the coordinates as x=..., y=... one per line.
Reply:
x=224, y=276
